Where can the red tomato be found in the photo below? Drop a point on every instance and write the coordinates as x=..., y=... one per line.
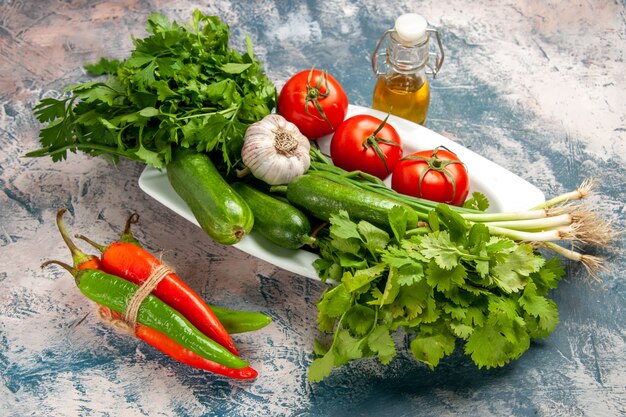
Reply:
x=308, y=92
x=436, y=175
x=368, y=144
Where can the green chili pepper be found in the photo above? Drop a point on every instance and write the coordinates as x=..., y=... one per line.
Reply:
x=237, y=321
x=114, y=292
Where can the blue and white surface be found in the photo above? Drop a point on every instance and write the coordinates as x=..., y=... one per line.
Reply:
x=537, y=88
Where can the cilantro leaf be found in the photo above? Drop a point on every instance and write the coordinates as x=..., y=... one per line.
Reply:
x=430, y=348
x=543, y=309
x=104, y=66
x=235, y=68
x=360, y=319
x=439, y=247
x=511, y=274
x=381, y=343
x=398, y=218
x=342, y=227
x=346, y=347
x=444, y=279
x=488, y=347
x=335, y=301
x=320, y=368
x=478, y=201
x=374, y=239
x=353, y=281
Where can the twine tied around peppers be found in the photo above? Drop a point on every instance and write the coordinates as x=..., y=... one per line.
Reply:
x=128, y=321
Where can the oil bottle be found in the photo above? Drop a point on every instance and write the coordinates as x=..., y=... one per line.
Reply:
x=402, y=87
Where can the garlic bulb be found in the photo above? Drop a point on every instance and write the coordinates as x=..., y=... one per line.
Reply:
x=275, y=151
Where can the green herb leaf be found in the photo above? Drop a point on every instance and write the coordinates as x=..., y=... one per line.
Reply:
x=540, y=307
x=321, y=367
x=430, y=348
x=361, y=277
x=206, y=94
x=104, y=66
x=335, y=301
x=478, y=201
x=398, y=218
x=381, y=343
x=360, y=319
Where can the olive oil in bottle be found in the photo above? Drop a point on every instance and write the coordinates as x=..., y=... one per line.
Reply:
x=405, y=96
x=402, y=87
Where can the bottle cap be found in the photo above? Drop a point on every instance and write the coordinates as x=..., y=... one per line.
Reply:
x=411, y=29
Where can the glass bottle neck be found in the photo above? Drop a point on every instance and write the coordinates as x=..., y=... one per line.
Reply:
x=406, y=59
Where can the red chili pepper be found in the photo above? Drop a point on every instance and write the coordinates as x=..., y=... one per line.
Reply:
x=133, y=263
x=149, y=335
x=186, y=356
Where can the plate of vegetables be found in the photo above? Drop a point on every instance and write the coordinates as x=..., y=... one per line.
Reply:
x=505, y=190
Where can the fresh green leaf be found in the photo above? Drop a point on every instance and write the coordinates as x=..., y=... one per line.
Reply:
x=321, y=367
x=453, y=222
x=439, y=247
x=398, y=218
x=346, y=347
x=512, y=273
x=540, y=307
x=360, y=319
x=50, y=109
x=354, y=281
x=548, y=276
x=335, y=301
x=488, y=347
x=342, y=227
x=478, y=201
x=374, y=239
x=410, y=274
x=381, y=343
x=235, y=68
x=431, y=348
x=392, y=287
x=444, y=279
x=104, y=66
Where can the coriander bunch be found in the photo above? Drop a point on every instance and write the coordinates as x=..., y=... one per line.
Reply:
x=181, y=86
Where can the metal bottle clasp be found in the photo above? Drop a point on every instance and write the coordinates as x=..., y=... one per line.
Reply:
x=438, y=55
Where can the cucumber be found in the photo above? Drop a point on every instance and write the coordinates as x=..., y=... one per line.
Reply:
x=322, y=197
x=219, y=210
x=276, y=220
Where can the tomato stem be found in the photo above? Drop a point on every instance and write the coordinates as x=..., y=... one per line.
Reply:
x=439, y=165
x=313, y=94
x=372, y=141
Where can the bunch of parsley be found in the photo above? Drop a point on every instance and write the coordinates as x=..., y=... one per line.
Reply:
x=181, y=86
x=439, y=285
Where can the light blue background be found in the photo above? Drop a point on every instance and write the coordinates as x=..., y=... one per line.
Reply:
x=538, y=88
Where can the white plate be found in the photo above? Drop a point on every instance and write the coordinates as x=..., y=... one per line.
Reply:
x=505, y=190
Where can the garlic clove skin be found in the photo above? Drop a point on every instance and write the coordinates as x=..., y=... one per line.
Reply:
x=275, y=151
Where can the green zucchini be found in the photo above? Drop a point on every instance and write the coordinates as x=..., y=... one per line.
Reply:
x=219, y=210
x=322, y=197
x=276, y=220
